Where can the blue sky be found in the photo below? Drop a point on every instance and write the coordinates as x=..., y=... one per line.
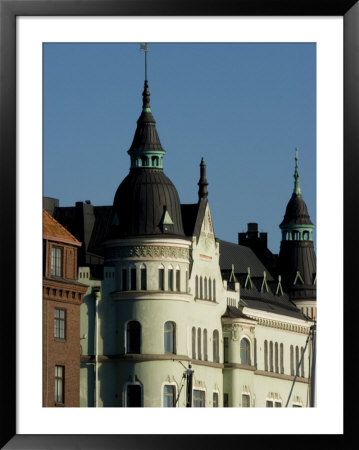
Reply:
x=243, y=107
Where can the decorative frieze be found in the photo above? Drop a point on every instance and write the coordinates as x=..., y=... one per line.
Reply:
x=147, y=251
x=281, y=325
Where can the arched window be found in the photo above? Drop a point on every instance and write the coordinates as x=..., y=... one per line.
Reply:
x=199, y=343
x=306, y=235
x=161, y=278
x=245, y=351
x=266, y=355
x=271, y=356
x=196, y=286
x=205, y=351
x=276, y=356
x=178, y=279
x=133, y=395
x=281, y=358
x=302, y=365
x=200, y=287
x=291, y=360
x=296, y=360
x=170, y=278
x=215, y=346
x=133, y=337
x=214, y=289
x=209, y=289
x=205, y=287
x=170, y=337
x=143, y=272
x=144, y=160
x=295, y=235
x=193, y=343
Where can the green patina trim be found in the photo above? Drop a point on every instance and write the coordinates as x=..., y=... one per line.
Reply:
x=264, y=283
x=298, y=276
x=232, y=278
x=248, y=279
x=279, y=286
x=146, y=110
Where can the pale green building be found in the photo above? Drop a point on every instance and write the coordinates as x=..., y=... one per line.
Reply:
x=180, y=318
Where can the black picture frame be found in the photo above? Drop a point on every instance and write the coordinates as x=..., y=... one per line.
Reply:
x=9, y=10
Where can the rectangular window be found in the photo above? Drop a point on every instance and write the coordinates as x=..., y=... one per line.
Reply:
x=199, y=398
x=169, y=396
x=170, y=279
x=133, y=279
x=277, y=404
x=161, y=279
x=60, y=323
x=215, y=400
x=225, y=400
x=178, y=280
x=59, y=384
x=269, y=404
x=225, y=349
x=124, y=279
x=56, y=261
x=246, y=401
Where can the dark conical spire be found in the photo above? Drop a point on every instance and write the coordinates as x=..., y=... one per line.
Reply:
x=202, y=191
x=146, y=150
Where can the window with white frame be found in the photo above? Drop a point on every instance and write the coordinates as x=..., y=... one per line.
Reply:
x=169, y=396
x=199, y=398
x=245, y=350
x=169, y=337
x=246, y=401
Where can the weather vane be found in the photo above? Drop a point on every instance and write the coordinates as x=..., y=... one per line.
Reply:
x=144, y=47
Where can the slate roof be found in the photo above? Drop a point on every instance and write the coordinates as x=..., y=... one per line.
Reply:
x=242, y=257
x=54, y=231
x=296, y=212
x=254, y=296
x=139, y=205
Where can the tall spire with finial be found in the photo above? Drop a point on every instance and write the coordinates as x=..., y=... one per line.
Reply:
x=296, y=175
x=202, y=191
x=146, y=151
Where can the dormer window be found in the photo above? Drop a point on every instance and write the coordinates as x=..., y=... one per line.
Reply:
x=166, y=221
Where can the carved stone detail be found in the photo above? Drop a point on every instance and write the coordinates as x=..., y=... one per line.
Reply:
x=147, y=251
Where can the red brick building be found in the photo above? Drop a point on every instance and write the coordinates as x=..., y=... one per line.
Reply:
x=62, y=298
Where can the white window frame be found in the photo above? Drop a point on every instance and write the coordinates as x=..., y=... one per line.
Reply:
x=167, y=383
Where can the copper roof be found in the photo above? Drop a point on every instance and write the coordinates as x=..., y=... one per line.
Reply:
x=54, y=231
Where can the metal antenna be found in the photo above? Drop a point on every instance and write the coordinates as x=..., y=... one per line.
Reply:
x=144, y=47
